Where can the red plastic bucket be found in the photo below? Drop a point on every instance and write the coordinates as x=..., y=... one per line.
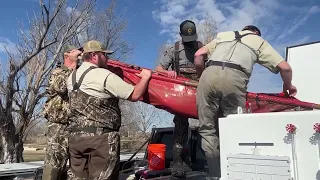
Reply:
x=156, y=156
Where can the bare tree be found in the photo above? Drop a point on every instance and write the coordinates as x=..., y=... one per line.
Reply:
x=129, y=127
x=108, y=26
x=36, y=132
x=23, y=85
x=161, y=52
x=142, y=117
x=146, y=116
x=207, y=30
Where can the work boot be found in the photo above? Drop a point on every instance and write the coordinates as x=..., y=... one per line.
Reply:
x=214, y=167
x=177, y=170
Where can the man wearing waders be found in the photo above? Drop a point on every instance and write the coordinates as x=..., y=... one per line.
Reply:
x=56, y=111
x=180, y=58
x=223, y=83
x=95, y=116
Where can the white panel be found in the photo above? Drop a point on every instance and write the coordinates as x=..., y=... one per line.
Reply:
x=305, y=63
x=258, y=167
x=271, y=128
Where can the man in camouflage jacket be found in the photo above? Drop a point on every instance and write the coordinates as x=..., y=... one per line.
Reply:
x=56, y=111
x=95, y=116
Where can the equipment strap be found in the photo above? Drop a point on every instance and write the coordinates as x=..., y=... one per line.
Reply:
x=225, y=64
x=176, y=66
x=238, y=36
x=176, y=58
x=75, y=84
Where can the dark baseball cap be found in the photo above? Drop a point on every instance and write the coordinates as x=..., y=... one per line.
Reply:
x=252, y=28
x=188, y=31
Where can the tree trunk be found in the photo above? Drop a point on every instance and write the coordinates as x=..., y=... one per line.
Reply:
x=19, y=147
x=7, y=135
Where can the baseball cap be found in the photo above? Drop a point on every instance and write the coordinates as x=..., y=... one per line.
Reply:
x=95, y=46
x=68, y=48
x=252, y=28
x=188, y=31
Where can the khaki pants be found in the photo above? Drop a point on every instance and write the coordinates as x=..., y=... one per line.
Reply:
x=56, y=152
x=220, y=91
x=94, y=157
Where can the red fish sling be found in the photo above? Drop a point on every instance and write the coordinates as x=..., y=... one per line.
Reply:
x=156, y=156
x=178, y=95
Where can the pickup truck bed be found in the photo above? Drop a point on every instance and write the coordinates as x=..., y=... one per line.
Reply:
x=195, y=163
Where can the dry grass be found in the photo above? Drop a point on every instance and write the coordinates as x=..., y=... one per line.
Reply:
x=33, y=155
x=127, y=146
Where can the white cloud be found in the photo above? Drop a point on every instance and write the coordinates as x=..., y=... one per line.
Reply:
x=298, y=21
x=229, y=16
x=278, y=22
x=314, y=9
x=280, y=47
x=69, y=9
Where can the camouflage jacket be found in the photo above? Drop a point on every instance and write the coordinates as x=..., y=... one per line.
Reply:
x=89, y=111
x=56, y=108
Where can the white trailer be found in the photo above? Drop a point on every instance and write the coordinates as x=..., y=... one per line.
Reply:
x=270, y=146
x=305, y=62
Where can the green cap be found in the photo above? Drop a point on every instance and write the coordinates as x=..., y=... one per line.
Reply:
x=95, y=46
x=68, y=48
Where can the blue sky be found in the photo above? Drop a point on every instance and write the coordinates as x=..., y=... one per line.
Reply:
x=152, y=23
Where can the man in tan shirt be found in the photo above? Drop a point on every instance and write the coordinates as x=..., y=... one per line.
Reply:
x=95, y=116
x=223, y=83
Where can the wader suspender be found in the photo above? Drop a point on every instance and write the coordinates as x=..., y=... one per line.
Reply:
x=176, y=58
x=75, y=84
x=238, y=36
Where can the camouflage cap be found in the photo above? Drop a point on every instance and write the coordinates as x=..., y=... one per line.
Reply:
x=68, y=48
x=95, y=46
